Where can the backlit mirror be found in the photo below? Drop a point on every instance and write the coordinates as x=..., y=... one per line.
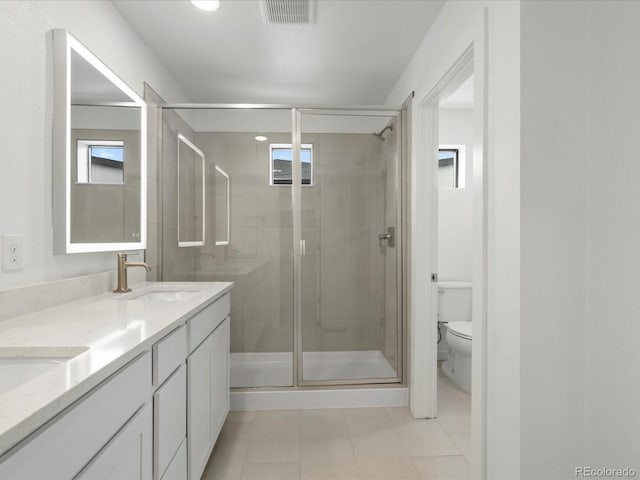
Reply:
x=191, y=185
x=99, y=155
x=222, y=207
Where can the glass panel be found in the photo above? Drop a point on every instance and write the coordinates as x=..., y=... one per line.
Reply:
x=349, y=224
x=257, y=255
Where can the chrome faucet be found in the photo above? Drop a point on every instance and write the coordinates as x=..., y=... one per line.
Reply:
x=122, y=272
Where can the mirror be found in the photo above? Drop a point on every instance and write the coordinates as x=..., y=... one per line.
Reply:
x=222, y=207
x=191, y=192
x=99, y=155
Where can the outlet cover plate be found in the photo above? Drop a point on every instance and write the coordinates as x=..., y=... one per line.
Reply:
x=11, y=252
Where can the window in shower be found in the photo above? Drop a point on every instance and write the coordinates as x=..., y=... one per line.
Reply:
x=280, y=161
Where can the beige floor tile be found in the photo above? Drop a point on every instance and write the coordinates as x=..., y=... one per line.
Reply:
x=222, y=468
x=455, y=423
x=445, y=382
x=400, y=415
x=269, y=451
x=234, y=451
x=278, y=416
x=426, y=438
x=386, y=466
x=271, y=471
x=374, y=435
x=275, y=431
x=327, y=459
x=371, y=412
x=242, y=416
x=453, y=405
x=318, y=424
x=233, y=431
x=463, y=443
x=276, y=425
x=443, y=468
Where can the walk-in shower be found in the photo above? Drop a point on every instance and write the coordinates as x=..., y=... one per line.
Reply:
x=313, y=241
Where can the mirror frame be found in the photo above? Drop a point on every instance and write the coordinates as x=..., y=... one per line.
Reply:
x=200, y=153
x=63, y=44
x=228, y=240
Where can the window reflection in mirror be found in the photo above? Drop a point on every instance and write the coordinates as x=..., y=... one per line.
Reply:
x=100, y=161
x=191, y=194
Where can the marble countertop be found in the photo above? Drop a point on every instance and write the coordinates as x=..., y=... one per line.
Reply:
x=101, y=333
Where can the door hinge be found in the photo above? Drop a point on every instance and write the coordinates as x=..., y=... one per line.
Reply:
x=434, y=278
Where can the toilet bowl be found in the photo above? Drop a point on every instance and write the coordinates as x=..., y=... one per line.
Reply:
x=458, y=364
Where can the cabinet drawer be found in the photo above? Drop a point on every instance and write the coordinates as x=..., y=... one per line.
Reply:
x=168, y=354
x=204, y=322
x=63, y=446
x=128, y=453
x=169, y=420
x=177, y=469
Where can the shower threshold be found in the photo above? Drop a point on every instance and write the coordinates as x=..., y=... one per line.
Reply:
x=275, y=369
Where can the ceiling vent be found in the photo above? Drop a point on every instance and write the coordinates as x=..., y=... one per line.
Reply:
x=289, y=12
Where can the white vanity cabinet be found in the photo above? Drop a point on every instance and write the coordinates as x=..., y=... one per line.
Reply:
x=170, y=405
x=208, y=382
x=157, y=417
x=127, y=456
x=95, y=434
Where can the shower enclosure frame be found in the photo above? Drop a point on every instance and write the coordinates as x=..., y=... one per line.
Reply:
x=401, y=185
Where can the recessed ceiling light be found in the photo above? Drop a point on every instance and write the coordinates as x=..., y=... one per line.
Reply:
x=207, y=5
x=260, y=138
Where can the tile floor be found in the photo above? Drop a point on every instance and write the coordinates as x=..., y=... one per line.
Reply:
x=346, y=444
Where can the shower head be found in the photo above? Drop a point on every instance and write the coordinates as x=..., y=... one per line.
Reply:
x=379, y=135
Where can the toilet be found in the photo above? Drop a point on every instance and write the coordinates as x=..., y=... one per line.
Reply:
x=454, y=316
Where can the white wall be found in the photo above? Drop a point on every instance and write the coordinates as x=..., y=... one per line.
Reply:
x=459, y=24
x=455, y=212
x=554, y=120
x=26, y=87
x=612, y=329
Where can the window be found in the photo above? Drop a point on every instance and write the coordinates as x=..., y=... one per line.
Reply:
x=448, y=167
x=280, y=161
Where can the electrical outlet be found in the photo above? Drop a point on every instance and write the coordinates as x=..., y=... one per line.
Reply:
x=11, y=252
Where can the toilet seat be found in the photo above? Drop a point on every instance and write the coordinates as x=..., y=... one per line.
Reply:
x=460, y=329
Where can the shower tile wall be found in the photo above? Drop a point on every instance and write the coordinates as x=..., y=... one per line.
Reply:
x=259, y=256
x=343, y=270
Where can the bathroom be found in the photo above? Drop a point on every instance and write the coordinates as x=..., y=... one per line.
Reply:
x=551, y=218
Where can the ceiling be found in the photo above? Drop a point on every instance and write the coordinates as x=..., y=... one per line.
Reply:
x=352, y=55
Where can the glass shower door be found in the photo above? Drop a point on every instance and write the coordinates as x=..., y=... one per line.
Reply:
x=349, y=330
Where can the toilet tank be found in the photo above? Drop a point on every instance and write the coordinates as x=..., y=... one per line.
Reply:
x=454, y=301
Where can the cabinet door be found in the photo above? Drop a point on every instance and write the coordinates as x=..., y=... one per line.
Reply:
x=169, y=421
x=199, y=432
x=220, y=377
x=128, y=455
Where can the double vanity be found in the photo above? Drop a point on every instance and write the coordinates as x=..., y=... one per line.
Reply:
x=116, y=386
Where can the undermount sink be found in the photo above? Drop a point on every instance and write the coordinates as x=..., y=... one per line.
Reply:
x=19, y=365
x=161, y=294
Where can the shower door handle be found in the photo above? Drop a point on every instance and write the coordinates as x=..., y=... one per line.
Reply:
x=389, y=237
